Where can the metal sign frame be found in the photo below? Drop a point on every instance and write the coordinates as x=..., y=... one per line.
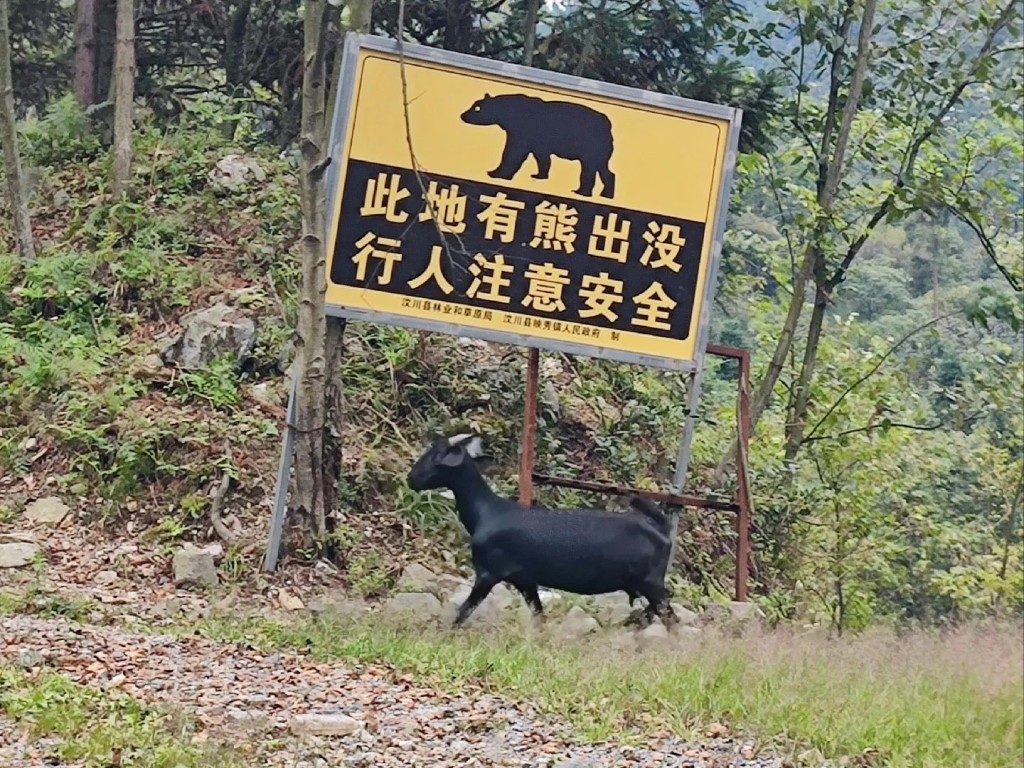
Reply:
x=345, y=103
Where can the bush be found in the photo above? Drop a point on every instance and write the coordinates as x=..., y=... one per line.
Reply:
x=63, y=135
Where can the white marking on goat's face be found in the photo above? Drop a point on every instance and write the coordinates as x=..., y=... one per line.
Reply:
x=447, y=494
x=475, y=448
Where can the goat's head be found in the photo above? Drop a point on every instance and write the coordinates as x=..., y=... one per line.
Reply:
x=438, y=466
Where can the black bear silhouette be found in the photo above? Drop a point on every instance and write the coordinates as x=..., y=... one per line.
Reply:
x=544, y=128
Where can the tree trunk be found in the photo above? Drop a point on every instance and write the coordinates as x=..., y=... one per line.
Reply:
x=311, y=370
x=828, y=183
x=823, y=288
x=458, y=28
x=93, y=50
x=359, y=21
x=9, y=138
x=234, y=44
x=802, y=391
x=234, y=60
x=85, y=52
x=530, y=36
x=124, y=94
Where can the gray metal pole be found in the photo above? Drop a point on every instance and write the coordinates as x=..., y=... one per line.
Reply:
x=283, y=474
x=681, y=475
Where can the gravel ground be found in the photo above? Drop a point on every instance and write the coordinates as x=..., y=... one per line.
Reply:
x=259, y=702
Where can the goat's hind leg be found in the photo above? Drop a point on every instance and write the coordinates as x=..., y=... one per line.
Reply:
x=658, y=604
x=529, y=593
x=482, y=587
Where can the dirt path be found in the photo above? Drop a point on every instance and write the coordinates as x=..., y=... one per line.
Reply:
x=237, y=693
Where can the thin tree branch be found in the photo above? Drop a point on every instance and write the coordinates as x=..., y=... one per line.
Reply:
x=870, y=427
x=986, y=245
x=874, y=368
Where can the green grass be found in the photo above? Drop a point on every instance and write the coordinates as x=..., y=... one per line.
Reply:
x=48, y=605
x=920, y=700
x=926, y=701
x=83, y=724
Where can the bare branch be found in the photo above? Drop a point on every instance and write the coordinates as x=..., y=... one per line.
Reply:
x=216, y=512
x=873, y=369
x=987, y=245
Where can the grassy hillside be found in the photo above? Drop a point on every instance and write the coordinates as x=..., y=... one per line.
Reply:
x=87, y=411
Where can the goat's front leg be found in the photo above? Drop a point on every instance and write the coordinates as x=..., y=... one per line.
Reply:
x=481, y=588
x=658, y=603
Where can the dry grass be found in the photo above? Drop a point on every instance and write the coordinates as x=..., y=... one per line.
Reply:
x=927, y=700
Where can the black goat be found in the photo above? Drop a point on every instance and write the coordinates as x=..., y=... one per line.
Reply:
x=587, y=551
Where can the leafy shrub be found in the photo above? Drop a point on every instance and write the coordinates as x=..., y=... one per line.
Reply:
x=63, y=135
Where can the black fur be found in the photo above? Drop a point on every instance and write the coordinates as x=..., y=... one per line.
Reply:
x=585, y=551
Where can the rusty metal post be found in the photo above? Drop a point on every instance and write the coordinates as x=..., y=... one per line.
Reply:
x=743, y=482
x=529, y=439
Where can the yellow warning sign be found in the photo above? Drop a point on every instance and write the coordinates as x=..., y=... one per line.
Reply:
x=487, y=199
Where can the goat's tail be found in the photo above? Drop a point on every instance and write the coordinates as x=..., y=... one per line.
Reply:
x=652, y=513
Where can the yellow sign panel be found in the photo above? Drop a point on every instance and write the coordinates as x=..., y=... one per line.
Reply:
x=487, y=199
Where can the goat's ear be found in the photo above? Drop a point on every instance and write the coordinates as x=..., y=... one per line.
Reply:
x=454, y=455
x=475, y=447
x=459, y=439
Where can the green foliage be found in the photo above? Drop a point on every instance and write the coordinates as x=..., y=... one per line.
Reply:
x=63, y=135
x=90, y=726
x=217, y=384
x=37, y=602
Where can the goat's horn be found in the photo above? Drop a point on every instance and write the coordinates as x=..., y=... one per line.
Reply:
x=456, y=439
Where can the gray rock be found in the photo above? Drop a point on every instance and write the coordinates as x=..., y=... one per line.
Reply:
x=328, y=724
x=104, y=578
x=289, y=601
x=27, y=537
x=448, y=584
x=687, y=618
x=577, y=624
x=745, y=611
x=417, y=578
x=233, y=172
x=652, y=636
x=17, y=554
x=168, y=608
x=261, y=394
x=194, y=567
x=488, y=613
x=49, y=511
x=688, y=634
x=210, y=334
x=612, y=609
x=251, y=718
x=576, y=763
x=504, y=596
x=714, y=613
x=547, y=597
x=549, y=398
x=150, y=367
x=61, y=200
x=731, y=612
x=29, y=658
x=338, y=607
x=421, y=605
